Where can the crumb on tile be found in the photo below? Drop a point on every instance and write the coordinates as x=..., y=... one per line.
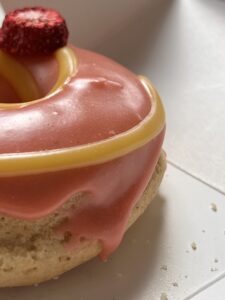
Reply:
x=203, y=230
x=164, y=296
x=216, y=260
x=194, y=246
x=175, y=284
x=185, y=276
x=213, y=269
x=163, y=267
x=213, y=207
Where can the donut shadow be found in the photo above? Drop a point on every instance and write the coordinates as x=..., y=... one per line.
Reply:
x=127, y=271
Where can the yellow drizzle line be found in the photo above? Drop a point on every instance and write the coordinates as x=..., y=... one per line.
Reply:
x=93, y=153
x=19, y=77
x=23, y=82
x=67, y=67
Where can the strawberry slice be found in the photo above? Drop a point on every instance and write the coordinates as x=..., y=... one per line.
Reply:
x=33, y=31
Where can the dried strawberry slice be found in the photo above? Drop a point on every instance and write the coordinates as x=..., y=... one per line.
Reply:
x=31, y=31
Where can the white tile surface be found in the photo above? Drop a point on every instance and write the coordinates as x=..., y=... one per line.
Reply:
x=214, y=292
x=180, y=45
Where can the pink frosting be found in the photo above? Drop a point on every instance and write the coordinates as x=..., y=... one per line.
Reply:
x=102, y=100
x=112, y=189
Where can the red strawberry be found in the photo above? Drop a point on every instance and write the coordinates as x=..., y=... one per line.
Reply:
x=34, y=30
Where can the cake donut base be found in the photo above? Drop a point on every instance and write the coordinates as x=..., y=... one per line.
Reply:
x=31, y=252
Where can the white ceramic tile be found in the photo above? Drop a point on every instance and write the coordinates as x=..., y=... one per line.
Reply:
x=214, y=292
x=181, y=46
x=161, y=239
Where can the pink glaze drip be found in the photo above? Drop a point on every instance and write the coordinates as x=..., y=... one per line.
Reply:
x=112, y=190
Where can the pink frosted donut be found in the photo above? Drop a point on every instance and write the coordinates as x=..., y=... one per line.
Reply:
x=78, y=164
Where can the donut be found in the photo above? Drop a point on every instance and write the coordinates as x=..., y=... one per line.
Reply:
x=80, y=149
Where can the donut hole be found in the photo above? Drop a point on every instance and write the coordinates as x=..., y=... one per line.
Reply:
x=7, y=94
x=43, y=74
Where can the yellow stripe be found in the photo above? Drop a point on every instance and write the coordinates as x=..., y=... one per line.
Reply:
x=67, y=67
x=93, y=153
x=19, y=77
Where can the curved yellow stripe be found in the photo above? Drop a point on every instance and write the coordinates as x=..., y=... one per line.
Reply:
x=24, y=84
x=67, y=67
x=19, y=77
x=89, y=154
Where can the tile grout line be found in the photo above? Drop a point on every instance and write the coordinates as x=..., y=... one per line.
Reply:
x=195, y=177
x=205, y=287
x=222, y=276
